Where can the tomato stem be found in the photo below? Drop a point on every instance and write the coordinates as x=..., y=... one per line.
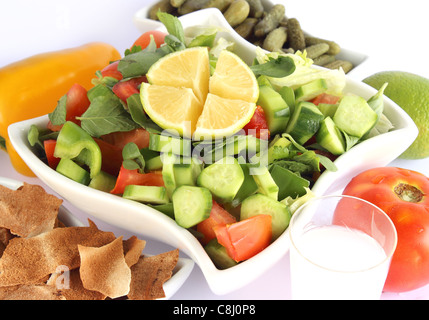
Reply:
x=408, y=193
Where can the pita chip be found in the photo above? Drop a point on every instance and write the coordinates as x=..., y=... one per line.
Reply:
x=29, y=210
x=26, y=260
x=149, y=275
x=133, y=248
x=30, y=292
x=104, y=269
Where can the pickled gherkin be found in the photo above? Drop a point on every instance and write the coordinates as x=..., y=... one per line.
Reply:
x=270, y=21
x=245, y=29
x=237, y=12
x=256, y=8
x=191, y=5
x=222, y=5
x=316, y=50
x=275, y=40
x=295, y=35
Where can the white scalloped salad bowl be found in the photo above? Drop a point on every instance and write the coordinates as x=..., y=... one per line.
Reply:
x=142, y=219
x=181, y=272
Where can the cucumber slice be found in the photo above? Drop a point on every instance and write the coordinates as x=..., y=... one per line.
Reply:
x=152, y=159
x=187, y=173
x=276, y=109
x=191, y=205
x=290, y=184
x=330, y=137
x=355, y=116
x=146, y=194
x=154, y=163
x=311, y=90
x=328, y=110
x=169, y=144
x=264, y=81
x=219, y=256
x=288, y=95
x=261, y=204
x=223, y=178
x=305, y=122
x=266, y=184
x=72, y=170
x=166, y=208
x=103, y=181
x=168, y=161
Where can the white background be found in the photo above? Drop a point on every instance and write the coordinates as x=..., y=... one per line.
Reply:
x=392, y=33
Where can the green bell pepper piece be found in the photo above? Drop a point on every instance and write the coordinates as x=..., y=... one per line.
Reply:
x=75, y=143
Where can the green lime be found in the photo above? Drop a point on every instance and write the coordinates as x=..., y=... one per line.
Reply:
x=411, y=93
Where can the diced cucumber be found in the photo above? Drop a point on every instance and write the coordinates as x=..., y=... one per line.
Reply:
x=305, y=122
x=168, y=161
x=152, y=159
x=187, y=173
x=276, y=109
x=223, y=178
x=103, y=181
x=191, y=205
x=154, y=163
x=166, y=208
x=288, y=95
x=169, y=144
x=146, y=194
x=219, y=256
x=355, y=116
x=266, y=184
x=72, y=170
x=311, y=90
x=261, y=204
x=263, y=81
x=290, y=184
x=248, y=187
x=328, y=110
x=330, y=137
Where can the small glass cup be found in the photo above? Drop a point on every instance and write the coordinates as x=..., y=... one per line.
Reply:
x=341, y=248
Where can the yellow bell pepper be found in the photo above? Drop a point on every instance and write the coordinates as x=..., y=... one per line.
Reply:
x=31, y=87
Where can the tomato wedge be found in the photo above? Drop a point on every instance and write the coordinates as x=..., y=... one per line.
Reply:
x=76, y=104
x=144, y=40
x=218, y=217
x=125, y=89
x=134, y=177
x=245, y=238
x=49, y=146
x=111, y=157
x=112, y=71
x=258, y=125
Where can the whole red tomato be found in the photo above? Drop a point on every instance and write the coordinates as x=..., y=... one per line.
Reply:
x=401, y=193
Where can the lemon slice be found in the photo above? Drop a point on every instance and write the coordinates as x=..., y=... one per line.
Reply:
x=182, y=97
x=187, y=68
x=233, y=79
x=223, y=117
x=175, y=109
